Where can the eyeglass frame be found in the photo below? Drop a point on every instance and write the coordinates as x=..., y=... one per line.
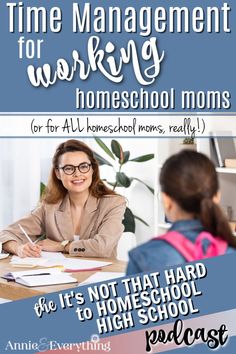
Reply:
x=75, y=167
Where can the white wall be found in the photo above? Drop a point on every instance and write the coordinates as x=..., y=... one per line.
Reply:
x=19, y=178
x=21, y=168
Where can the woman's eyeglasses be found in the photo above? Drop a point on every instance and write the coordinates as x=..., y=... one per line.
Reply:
x=83, y=167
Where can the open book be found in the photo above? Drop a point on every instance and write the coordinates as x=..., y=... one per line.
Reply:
x=40, y=277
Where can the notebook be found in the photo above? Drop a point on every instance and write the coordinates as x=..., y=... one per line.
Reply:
x=40, y=277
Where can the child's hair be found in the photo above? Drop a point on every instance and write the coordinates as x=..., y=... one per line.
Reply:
x=190, y=178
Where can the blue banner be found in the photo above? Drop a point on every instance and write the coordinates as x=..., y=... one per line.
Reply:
x=184, y=306
x=148, y=56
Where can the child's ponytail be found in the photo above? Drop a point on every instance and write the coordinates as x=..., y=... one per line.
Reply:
x=214, y=221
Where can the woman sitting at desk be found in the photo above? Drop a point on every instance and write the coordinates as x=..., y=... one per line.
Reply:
x=78, y=214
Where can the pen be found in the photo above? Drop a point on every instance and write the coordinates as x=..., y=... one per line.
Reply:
x=35, y=275
x=24, y=232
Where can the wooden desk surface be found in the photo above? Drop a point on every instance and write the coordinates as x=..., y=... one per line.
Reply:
x=15, y=291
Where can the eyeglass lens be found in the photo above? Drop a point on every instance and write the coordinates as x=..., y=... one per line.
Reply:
x=70, y=169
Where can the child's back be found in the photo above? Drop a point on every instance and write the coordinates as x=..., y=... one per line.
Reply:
x=189, y=185
x=156, y=254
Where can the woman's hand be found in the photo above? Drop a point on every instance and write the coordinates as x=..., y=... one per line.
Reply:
x=28, y=250
x=50, y=245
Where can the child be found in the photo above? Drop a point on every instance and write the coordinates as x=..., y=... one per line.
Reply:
x=190, y=193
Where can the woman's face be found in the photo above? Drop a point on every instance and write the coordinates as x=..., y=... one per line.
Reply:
x=75, y=180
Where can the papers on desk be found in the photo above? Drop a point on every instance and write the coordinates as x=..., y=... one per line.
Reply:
x=40, y=277
x=3, y=300
x=52, y=255
x=47, y=259
x=27, y=261
x=4, y=255
x=52, y=259
x=101, y=276
x=76, y=265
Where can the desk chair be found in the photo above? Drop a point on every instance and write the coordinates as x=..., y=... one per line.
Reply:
x=125, y=244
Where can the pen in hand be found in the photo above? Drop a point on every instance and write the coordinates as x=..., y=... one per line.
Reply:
x=32, y=250
x=24, y=232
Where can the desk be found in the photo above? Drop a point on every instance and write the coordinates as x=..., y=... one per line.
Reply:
x=15, y=291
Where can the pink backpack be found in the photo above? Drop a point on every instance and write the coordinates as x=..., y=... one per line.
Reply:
x=194, y=251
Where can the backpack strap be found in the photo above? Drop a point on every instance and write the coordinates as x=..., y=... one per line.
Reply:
x=194, y=251
x=184, y=246
x=217, y=246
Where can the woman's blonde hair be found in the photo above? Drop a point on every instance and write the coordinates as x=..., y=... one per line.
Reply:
x=55, y=191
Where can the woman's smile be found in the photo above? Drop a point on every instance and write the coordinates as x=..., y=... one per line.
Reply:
x=77, y=181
